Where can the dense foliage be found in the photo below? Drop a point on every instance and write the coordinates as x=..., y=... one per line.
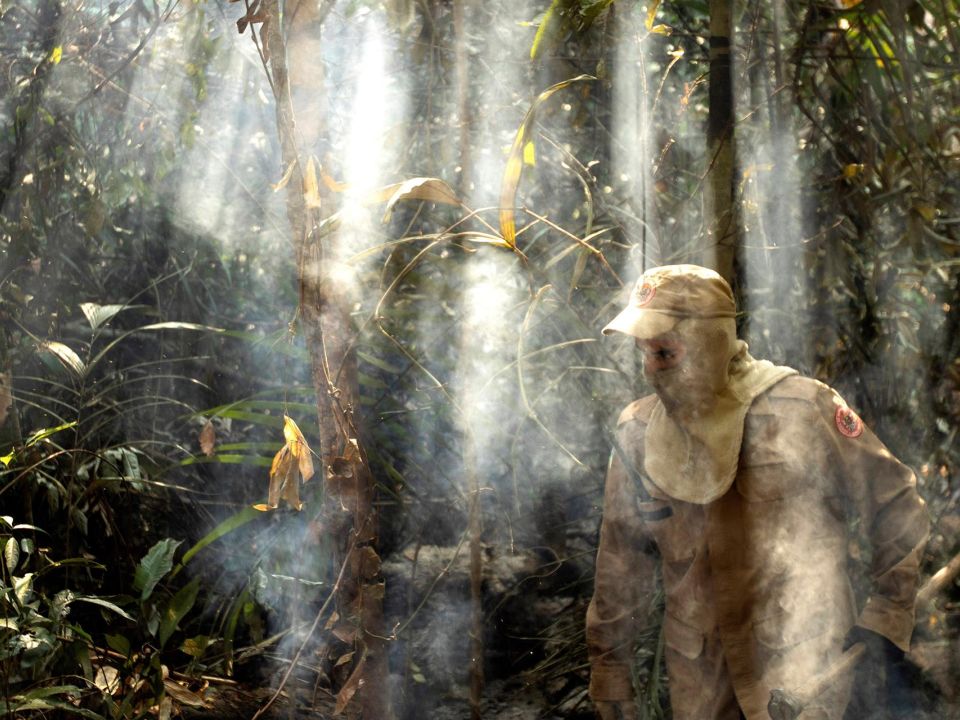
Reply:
x=151, y=341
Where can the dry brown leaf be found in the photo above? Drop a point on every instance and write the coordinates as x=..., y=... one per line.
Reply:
x=181, y=694
x=292, y=464
x=299, y=447
x=208, y=438
x=344, y=659
x=420, y=188
x=350, y=687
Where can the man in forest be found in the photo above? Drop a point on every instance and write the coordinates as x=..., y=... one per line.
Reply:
x=743, y=477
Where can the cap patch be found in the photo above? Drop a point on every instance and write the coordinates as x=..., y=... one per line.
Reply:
x=645, y=294
x=848, y=422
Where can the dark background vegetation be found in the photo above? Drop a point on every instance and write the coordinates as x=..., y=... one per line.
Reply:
x=150, y=339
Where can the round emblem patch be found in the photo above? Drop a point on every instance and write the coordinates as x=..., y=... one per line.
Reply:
x=848, y=422
x=645, y=294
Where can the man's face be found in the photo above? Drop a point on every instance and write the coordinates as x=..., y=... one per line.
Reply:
x=688, y=367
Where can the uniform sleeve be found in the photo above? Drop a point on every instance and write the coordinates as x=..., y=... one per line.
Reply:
x=893, y=519
x=620, y=596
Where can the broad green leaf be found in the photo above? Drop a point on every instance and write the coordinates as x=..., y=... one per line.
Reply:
x=179, y=606
x=119, y=643
x=93, y=600
x=11, y=554
x=514, y=167
x=23, y=587
x=98, y=315
x=227, y=526
x=65, y=354
x=155, y=564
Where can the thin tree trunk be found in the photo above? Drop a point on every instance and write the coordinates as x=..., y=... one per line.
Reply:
x=348, y=514
x=720, y=215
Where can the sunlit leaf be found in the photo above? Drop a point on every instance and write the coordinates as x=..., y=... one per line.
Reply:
x=545, y=24
x=311, y=190
x=56, y=55
x=529, y=154
x=298, y=447
x=514, y=167
x=65, y=355
x=208, y=438
x=651, y=14
x=112, y=607
x=419, y=188
x=11, y=554
x=97, y=315
x=661, y=29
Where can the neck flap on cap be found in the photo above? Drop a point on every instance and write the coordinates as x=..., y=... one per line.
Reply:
x=697, y=461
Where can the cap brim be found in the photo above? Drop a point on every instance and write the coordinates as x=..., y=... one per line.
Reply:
x=640, y=323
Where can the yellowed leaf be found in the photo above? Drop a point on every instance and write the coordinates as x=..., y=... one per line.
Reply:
x=262, y=507
x=298, y=447
x=514, y=167
x=311, y=190
x=529, y=154
x=652, y=14
x=56, y=55
x=661, y=29
x=851, y=170
x=208, y=438
x=282, y=471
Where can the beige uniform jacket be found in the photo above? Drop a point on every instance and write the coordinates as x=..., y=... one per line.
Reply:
x=756, y=583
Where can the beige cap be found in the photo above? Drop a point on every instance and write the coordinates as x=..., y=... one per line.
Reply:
x=665, y=295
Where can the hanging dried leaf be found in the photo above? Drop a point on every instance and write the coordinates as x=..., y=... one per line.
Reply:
x=514, y=167
x=651, y=14
x=208, y=438
x=350, y=687
x=6, y=395
x=291, y=465
x=298, y=447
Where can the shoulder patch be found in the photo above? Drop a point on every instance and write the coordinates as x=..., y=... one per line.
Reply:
x=848, y=422
x=638, y=410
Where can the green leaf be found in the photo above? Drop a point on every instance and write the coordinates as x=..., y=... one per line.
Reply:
x=65, y=355
x=155, y=564
x=119, y=643
x=43, y=434
x=227, y=526
x=514, y=167
x=179, y=606
x=11, y=554
x=545, y=24
x=93, y=600
x=98, y=315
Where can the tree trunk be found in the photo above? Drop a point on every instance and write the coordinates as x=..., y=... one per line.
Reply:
x=720, y=216
x=348, y=514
